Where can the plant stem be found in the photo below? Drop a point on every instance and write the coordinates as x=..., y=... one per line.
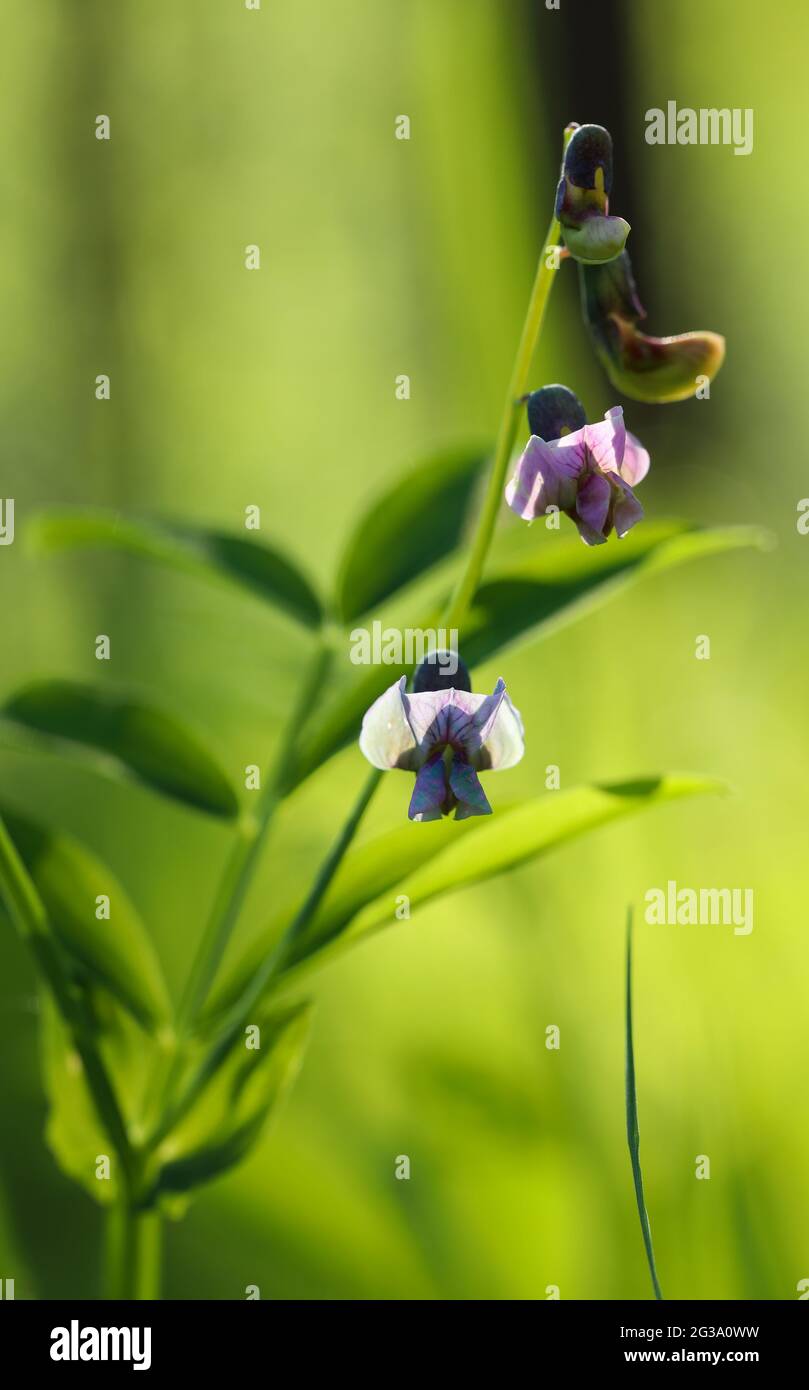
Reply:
x=244, y=856
x=532, y=327
x=133, y=1251
x=233, y=1021
x=233, y=888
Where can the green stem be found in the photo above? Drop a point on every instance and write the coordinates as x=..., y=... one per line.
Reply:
x=232, y=891
x=27, y=912
x=133, y=1253
x=469, y=581
x=244, y=857
x=233, y=1021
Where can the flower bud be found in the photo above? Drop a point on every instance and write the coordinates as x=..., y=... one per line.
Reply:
x=655, y=370
x=441, y=670
x=554, y=411
x=582, y=198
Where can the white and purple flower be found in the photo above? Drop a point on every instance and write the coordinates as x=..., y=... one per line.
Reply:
x=446, y=737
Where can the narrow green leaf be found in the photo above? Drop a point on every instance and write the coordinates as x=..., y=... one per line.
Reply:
x=632, y=1133
x=117, y=953
x=134, y=738
x=231, y=1112
x=424, y=861
x=218, y=555
x=415, y=524
x=555, y=583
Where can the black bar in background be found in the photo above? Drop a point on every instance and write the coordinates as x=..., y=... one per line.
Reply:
x=383, y=1339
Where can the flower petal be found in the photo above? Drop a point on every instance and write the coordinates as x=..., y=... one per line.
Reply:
x=606, y=441
x=498, y=732
x=427, y=715
x=504, y=743
x=544, y=475
x=593, y=502
x=627, y=512
x=430, y=791
x=597, y=239
x=387, y=739
x=465, y=785
x=636, y=461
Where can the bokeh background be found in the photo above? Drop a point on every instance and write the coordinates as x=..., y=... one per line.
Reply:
x=379, y=257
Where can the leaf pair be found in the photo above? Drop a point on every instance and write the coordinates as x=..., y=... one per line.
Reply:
x=415, y=523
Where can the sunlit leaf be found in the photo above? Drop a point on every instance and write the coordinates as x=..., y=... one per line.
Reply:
x=131, y=736
x=413, y=525
x=560, y=583
x=218, y=555
x=118, y=952
x=73, y=1131
x=553, y=583
x=230, y=1114
x=424, y=861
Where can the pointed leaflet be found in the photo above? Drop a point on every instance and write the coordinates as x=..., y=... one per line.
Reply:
x=415, y=524
x=117, y=953
x=218, y=555
x=132, y=737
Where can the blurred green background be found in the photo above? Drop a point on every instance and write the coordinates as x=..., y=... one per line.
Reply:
x=381, y=257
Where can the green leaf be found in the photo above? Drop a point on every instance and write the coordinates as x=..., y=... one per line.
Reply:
x=73, y=1131
x=632, y=1132
x=554, y=583
x=415, y=524
x=566, y=581
x=425, y=861
x=134, y=738
x=117, y=953
x=230, y=1114
x=218, y=555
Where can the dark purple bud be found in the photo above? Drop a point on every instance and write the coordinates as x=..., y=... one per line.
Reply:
x=554, y=411
x=582, y=198
x=441, y=670
x=589, y=149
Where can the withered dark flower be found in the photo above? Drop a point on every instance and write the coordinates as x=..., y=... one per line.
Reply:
x=655, y=370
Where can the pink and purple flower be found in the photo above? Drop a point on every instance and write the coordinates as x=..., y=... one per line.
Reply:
x=588, y=473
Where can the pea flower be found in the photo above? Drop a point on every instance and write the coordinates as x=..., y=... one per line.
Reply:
x=446, y=735
x=582, y=198
x=655, y=370
x=587, y=471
